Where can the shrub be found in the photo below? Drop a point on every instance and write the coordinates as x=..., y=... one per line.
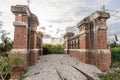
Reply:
x=7, y=65
x=5, y=46
x=110, y=76
x=53, y=49
x=115, y=53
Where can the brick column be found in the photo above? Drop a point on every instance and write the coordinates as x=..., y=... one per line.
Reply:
x=67, y=36
x=102, y=56
x=33, y=55
x=39, y=42
x=21, y=13
x=93, y=41
x=84, y=39
x=84, y=36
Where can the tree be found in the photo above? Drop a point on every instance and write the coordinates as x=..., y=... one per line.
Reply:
x=53, y=49
x=5, y=46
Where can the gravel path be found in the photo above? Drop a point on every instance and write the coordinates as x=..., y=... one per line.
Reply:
x=61, y=67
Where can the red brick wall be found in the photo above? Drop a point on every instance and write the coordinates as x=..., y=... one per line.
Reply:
x=79, y=55
x=103, y=41
x=32, y=40
x=20, y=38
x=33, y=56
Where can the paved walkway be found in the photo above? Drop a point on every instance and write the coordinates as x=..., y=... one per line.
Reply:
x=61, y=67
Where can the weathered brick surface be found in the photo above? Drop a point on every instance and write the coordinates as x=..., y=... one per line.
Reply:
x=93, y=48
x=33, y=57
x=20, y=37
x=65, y=51
x=20, y=68
x=15, y=74
x=32, y=40
x=101, y=60
x=26, y=38
x=78, y=55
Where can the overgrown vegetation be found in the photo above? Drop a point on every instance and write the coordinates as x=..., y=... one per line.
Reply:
x=53, y=49
x=115, y=53
x=8, y=63
x=5, y=46
x=8, y=60
x=110, y=76
x=114, y=44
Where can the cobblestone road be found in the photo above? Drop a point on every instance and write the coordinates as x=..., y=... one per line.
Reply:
x=61, y=67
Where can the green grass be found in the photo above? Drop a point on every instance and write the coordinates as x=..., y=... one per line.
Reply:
x=110, y=76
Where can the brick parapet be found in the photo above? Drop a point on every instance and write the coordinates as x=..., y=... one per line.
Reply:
x=94, y=16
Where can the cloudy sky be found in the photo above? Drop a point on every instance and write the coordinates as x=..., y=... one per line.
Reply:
x=56, y=15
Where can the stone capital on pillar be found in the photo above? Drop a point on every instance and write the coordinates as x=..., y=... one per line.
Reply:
x=68, y=35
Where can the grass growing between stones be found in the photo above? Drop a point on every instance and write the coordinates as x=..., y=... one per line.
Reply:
x=110, y=76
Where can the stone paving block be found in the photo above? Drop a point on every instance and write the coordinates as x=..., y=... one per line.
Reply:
x=46, y=67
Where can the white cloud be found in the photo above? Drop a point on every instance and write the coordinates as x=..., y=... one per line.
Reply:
x=58, y=13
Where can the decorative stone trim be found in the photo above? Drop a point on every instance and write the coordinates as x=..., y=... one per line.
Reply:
x=90, y=50
x=24, y=50
x=20, y=51
x=34, y=49
x=34, y=30
x=65, y=49
x=18, y=23
x=84, y=32
x=20, y=9
x=65, y=39
x=96, y=28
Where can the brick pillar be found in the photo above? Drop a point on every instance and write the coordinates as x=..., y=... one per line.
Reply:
x=20, y=36
x=93, y=40
x=84, y=39
x=39, y=42
x=83, y=29
x=33, y=55
x=67, y=36
x=102, y=56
